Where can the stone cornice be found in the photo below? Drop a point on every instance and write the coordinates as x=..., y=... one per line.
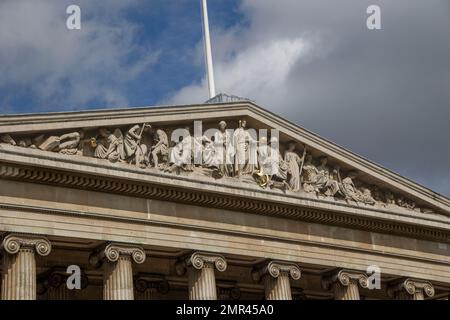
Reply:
x=13, y=243
x=95, y=175
x=276, y=268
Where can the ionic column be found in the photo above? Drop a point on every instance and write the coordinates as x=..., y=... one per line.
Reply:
x=202, y=281
x=19, y=265
x=275, y=276
x=345, y=284
x=411, y=289
x=118, y=270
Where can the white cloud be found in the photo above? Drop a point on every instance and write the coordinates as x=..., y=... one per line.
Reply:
x=383, y=94
x=255, y=71
x=69, y=68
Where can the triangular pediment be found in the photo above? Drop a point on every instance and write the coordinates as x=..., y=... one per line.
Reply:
x=345, y=180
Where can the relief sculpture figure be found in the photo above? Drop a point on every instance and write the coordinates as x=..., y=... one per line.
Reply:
x=223, y=143
x=110, y=145
x=294, y=161
x=181, y=154
x=136, y=151
x=245, y=150
x=326, y=181
x=161, y=148
x=310, y=173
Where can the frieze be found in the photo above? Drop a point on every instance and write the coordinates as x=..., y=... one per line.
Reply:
x=239, y=153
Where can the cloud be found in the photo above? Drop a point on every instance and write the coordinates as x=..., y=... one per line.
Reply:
x=261, y=68
x=56, y=66
x=382, y=94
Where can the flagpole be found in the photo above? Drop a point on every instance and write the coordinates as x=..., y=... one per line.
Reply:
x=208, y=51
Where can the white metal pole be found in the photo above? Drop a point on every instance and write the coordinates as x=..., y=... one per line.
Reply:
x=208, y=51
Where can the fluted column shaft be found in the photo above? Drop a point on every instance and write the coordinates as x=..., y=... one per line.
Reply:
x=201, y=275
x=202, y=283
x=19, y=276
x=276, y=277
x=118, y=270
x=349, y=292
x=277, y=288
x=19, y=266
x=118, y=280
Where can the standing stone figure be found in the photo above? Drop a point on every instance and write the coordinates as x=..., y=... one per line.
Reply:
x=293, y=161
x=135, y=151
x=245, y=150
x=223, y=143
x=161, y=148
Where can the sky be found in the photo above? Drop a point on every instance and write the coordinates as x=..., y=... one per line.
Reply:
x=383, y=94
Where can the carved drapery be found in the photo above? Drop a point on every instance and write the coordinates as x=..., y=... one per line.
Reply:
x=276, y=277
x=200, y=268
x=19, y=265
x=345, y=284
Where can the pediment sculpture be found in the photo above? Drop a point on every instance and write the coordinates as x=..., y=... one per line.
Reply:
x=220, y=153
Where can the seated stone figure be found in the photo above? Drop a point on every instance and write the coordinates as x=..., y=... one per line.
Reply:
x=349, y=190
x=326, y=181
x=181, y=154
x=272, y=165
x=310, y=173
x=161, y=149
x=110, y=146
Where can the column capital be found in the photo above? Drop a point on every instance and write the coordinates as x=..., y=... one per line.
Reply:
x=113, y=251
x=412, y=287
x=345, y=277
x=276, y=268
x=13, y=243
x=199, y=260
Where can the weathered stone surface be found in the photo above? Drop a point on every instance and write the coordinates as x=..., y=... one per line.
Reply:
x=105, y=181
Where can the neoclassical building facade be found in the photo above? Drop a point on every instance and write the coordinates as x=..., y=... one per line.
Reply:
x=214, y=201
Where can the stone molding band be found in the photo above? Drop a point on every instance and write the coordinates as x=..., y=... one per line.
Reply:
x=73, y=180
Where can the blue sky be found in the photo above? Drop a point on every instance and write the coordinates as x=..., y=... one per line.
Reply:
x=171, y=28
x=382, y=94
